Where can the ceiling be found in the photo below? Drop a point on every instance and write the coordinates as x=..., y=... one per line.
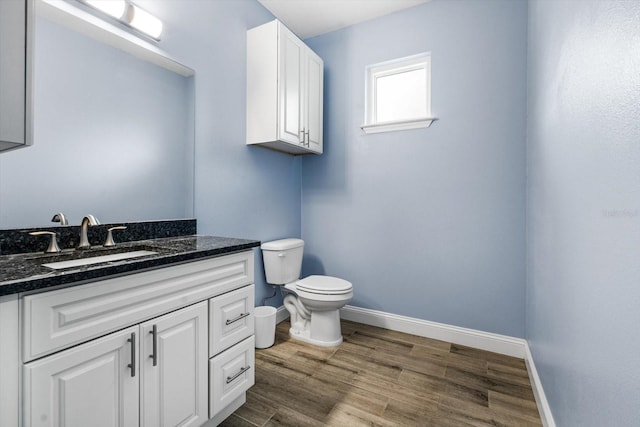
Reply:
x=308, y=18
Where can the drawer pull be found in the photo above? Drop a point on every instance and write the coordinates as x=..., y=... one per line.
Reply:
x=154, y=355
x=132, y=365
x=242, y=316
x=240, y=372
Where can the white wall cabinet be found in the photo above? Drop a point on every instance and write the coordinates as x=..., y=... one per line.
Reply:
x=284, y=91
x=132, y=350
x=16, y=38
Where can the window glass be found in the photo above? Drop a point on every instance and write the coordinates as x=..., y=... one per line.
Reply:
x=401, y=96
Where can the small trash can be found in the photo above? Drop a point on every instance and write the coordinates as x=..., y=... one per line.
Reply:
x=265, y=317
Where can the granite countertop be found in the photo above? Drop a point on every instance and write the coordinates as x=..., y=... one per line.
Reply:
x=24, y=272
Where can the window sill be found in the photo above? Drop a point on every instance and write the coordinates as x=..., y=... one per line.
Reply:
x=424, y=122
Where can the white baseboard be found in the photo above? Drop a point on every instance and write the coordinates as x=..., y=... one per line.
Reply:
x=470, y=337
x=510, y=346
x=541, y=399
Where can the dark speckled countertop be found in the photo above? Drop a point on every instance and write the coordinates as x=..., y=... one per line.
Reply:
x=24, y=272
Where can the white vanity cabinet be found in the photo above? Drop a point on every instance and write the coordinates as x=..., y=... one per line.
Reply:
x=16, y=38
x=155, y=372
x=166, y=347
x=284, y=91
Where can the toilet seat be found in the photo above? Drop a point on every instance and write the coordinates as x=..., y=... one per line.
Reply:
x=324, y=285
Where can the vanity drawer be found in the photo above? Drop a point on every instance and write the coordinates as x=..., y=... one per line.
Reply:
x=231, y=373
x=230, y=319
x=59, y=319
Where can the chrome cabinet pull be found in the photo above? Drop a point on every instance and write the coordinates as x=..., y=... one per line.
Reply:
x=132, y=365
x=242, y=316
x=307, y=137
x=242, y=371
x=303, y=137
x=154, y=354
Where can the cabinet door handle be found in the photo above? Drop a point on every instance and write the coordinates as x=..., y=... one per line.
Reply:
x=303, y=136
x=132, y=365
x=240, y=372
x=154, y=354
x=307, y=137
x=242, y=316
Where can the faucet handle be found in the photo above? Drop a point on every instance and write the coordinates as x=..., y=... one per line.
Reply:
x=59, y=217
x=53, y=243
x=108, y=243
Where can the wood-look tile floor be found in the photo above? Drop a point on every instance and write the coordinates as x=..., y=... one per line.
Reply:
x=379, y=377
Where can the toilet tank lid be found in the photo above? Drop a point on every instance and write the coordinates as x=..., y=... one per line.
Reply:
x=282, y=244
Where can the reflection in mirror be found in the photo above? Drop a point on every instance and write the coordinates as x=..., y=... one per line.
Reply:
x=113, y=137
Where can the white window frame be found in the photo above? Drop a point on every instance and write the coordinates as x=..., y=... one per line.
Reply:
x=388, y=68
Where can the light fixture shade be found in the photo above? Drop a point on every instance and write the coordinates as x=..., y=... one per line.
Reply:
x=115, y=8
x=143, y=21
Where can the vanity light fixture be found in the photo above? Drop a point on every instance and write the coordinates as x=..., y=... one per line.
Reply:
x=113, y=8
x=129, y=14
x=143, y=21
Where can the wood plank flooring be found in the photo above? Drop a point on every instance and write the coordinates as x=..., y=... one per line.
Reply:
x=379, y=377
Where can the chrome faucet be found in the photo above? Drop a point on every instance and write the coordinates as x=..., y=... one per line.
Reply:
x=84, y=226
x=59, y=217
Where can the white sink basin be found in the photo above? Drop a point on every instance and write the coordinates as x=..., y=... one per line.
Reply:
x=97, y=260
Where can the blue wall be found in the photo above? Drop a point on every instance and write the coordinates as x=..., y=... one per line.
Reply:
x=430, y=223
x=583, y=293
x=240, y=191
x=427, y=223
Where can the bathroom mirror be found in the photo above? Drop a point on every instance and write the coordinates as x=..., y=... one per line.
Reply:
x=113, y=137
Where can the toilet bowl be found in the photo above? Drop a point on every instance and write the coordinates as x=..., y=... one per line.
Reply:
x=312, y=302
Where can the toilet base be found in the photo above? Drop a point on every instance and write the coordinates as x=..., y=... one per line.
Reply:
x=311, y=322
x=305, y=336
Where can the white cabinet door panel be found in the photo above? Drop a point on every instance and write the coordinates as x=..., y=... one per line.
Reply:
x=291, y=51
x=174, y=391
x=314, y=100
x=89, y=385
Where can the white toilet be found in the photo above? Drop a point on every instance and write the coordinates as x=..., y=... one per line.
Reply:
x=313, y=302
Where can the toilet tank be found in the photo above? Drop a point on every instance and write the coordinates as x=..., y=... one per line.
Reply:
x=282, y=260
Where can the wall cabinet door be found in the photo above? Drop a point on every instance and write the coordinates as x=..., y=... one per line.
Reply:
x=314, y=72
x=94, y=384
x=291, y=53
x=16, y=30
x=174, y=368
